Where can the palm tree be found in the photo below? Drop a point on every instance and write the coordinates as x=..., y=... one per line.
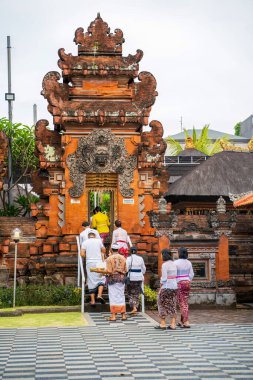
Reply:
x=202, y=143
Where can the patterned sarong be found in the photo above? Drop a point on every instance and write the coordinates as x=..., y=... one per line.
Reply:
x=133, y=292
x=167, y=302
x=182, y=299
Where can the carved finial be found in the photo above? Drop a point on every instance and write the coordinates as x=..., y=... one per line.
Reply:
x=221, y=205
x=189, y=143
x=232, y=148
x=250, y=144
x=99, y=32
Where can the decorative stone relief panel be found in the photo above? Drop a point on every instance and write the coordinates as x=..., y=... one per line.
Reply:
x=61, y=213
x=141, y=208
x=101, y=152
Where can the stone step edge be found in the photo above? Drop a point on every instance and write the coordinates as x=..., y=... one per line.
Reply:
x=55, y=309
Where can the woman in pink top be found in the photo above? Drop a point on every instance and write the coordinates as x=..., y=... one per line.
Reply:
x=184, y=276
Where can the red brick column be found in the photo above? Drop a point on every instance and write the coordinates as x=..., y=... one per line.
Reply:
x=163, y=242
x=222, y=259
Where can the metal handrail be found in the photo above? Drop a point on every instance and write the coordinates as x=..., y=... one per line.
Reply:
x=80, y=274
x=80, y=271
x=142, y=298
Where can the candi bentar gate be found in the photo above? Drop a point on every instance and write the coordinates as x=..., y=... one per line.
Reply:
x=99, y=105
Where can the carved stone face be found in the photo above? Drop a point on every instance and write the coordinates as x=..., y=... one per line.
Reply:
x=102, y=140
x=101, y=159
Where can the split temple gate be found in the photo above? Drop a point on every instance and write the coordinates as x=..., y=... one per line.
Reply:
x=98, y=144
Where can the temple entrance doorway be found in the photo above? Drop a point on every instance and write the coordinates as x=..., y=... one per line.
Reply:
x=102, y=191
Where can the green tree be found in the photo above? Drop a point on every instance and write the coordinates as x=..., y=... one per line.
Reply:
x=237, y=129
x=24, y=160
x=202, y=143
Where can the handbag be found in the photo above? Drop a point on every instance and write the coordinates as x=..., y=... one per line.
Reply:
x=127, y=278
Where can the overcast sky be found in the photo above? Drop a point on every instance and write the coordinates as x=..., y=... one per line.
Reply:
x=200, y=52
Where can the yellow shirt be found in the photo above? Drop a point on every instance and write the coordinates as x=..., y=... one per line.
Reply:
x=101, y=222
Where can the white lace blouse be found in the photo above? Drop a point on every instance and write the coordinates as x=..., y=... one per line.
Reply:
x=184, y=270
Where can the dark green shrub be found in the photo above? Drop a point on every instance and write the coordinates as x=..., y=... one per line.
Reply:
x=41, y=295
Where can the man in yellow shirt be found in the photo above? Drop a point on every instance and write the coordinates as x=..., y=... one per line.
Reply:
x=101, y=222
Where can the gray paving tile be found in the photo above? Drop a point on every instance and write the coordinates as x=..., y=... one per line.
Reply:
x=130, y=350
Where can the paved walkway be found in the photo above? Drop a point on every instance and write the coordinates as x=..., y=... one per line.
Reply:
x=200, y=316
x=127, y=350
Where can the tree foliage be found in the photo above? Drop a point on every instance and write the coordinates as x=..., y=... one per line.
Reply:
x=237, y=129
x=24, y=162
x=203, y=143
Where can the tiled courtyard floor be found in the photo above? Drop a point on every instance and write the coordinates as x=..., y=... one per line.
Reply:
x=128, y=350
x=215, y=316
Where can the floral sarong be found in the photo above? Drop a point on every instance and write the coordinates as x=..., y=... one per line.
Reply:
x=133, y=292
x=167, y=302
x=182, y=299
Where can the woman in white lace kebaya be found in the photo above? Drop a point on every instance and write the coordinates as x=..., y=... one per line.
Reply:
x=184, y=276
x=167, y=298
x=121, y=238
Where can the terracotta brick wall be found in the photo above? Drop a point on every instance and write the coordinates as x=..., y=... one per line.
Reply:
x=7, y=224
x=241, y=258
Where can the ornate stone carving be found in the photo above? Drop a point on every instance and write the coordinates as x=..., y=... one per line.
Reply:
x=141, y=208
x=232, y=148
x=250, y=145
x=213, y=219
x=126, y=66
x=189, y=143
x=222, y=223
x=212, y=284
x=162, y=206
x=101, y=152
x=221, y=205
x=98, y=39
x=56, y=93
x=152, y=146
x=61, y=213
x=48, y=145
x=164, y=232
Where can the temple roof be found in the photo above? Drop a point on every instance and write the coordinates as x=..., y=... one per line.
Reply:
x=244, y=200
x=192, y=152
x=222, y=174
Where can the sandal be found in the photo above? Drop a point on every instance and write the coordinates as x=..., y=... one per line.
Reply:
x=185, y=326
x=111, y=319
x=179, y=324
x=160, y=328
x=124, y=318
x=171, y=328
x=101, y=300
